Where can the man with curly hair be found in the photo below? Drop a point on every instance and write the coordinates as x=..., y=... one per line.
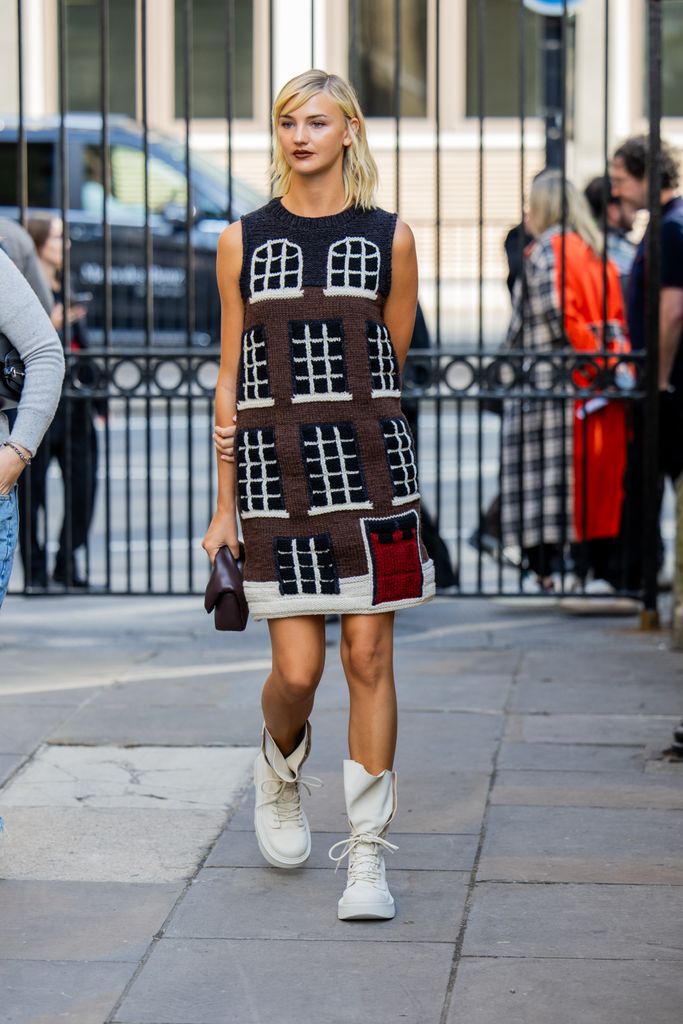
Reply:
x=629, y=177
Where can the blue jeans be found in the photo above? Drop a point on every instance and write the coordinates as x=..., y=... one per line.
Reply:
x=9, y=530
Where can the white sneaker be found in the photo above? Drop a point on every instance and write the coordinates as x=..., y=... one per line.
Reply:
x=370, y=806
x=282, y=830
x=367, y=896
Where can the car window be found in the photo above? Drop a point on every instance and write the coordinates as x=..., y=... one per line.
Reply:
x=40, y=172
x=166, y=184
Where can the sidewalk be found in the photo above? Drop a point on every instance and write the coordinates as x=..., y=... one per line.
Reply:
x=540, y=873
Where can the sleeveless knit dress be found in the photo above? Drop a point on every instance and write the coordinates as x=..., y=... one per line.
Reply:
x=326, y=474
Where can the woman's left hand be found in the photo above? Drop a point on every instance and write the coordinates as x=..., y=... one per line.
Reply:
x=11, y=468
x=224, y=440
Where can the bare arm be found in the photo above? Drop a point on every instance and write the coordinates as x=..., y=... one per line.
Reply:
x=401, y=303
x=670, y=328
x=223, y=527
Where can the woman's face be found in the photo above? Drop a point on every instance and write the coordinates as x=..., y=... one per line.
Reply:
x=314, y=136
x=52, y=253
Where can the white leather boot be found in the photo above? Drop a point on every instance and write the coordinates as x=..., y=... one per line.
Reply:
x=282, y=831
x=370, y=806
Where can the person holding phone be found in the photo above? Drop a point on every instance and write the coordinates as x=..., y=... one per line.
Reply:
x=71, y=440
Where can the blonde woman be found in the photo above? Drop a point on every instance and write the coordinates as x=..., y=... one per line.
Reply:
x=564, y=461
x=318, y=292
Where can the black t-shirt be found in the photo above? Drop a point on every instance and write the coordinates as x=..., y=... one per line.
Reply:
x=672, y=277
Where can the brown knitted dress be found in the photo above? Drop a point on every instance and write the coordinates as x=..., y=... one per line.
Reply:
x=326, y=473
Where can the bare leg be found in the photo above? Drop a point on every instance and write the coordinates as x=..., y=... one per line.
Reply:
x=367, y=648
x=298, y=646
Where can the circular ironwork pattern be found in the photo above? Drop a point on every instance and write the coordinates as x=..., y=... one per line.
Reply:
x=430, y=374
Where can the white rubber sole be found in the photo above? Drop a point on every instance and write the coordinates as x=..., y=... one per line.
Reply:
x=366, y=911
x=275, y=859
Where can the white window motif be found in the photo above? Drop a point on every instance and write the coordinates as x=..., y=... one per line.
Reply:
x=398, y=443
x=254, y=389
x=333, y=468
x=276, y=271
x=384, y=370
x=259, y=481
x=318, y=367
x=353, y=268
x=305, y=565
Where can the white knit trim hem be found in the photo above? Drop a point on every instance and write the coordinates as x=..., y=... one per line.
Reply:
x=405, y=498
x=276, y=293
x=348, y=506
x=255, y=403
x=267, y=514
x=354, y=598
x=362, y=293
x=326, y=396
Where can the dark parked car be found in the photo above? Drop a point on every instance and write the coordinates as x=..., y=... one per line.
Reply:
x=167, y=194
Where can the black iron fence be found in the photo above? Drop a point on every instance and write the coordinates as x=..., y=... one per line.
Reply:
x=132, y=477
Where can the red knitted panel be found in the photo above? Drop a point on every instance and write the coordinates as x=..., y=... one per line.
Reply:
x=396, y=563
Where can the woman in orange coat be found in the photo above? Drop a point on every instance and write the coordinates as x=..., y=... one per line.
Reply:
x=564, y=460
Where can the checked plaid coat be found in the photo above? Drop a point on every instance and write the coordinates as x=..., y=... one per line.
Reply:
x=537, y=434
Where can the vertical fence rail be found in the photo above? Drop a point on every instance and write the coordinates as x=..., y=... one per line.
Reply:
x=22, y=177
x=650, y=538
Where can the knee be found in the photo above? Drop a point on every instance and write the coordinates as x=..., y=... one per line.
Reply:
x=296, y=683
x=366, y=660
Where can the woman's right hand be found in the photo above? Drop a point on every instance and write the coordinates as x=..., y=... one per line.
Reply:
x=222, y=530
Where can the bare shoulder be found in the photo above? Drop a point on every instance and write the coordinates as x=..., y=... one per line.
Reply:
x=404, y=240
x=229, y=243
x=230, y=248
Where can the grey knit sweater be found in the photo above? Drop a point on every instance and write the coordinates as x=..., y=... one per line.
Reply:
x=24, y=321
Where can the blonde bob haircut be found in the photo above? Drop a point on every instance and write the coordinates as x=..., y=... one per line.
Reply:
x=358, y=168
x=545, y=207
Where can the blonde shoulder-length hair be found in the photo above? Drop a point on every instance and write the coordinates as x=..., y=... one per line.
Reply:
x=359, y=169
x=545, y=208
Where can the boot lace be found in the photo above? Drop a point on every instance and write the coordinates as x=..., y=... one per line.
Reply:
x=286, y=797
x=364, y=850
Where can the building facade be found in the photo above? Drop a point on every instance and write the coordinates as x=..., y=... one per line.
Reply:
x=483, y=169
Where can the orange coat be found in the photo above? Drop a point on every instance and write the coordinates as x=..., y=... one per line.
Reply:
x=599, y=449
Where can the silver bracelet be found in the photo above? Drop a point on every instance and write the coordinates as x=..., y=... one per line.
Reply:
x=17, y=451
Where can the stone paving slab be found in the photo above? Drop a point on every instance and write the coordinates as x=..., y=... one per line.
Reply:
x=622, y=922
x=617, y=729
x=103, y=844
x=609, y=696
x=421, y=807
x=457, y=741
x=192, y=690
x=45, y=691
x=23, y=727
x=583, y=844
x=590, y=789
x=559, y=991
x=105, y=776
x=94, y=921
x=36, y=992
x=416, y=852
x=250, y=981
x=457, y=692
x=265, y=903
x=566, y=757
x=9, y=764
x=134, y=724
x=628, y=662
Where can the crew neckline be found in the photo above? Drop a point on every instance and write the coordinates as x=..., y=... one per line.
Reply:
x=327, y=221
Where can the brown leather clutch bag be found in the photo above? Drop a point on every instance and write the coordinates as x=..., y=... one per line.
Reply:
x=225, y=591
